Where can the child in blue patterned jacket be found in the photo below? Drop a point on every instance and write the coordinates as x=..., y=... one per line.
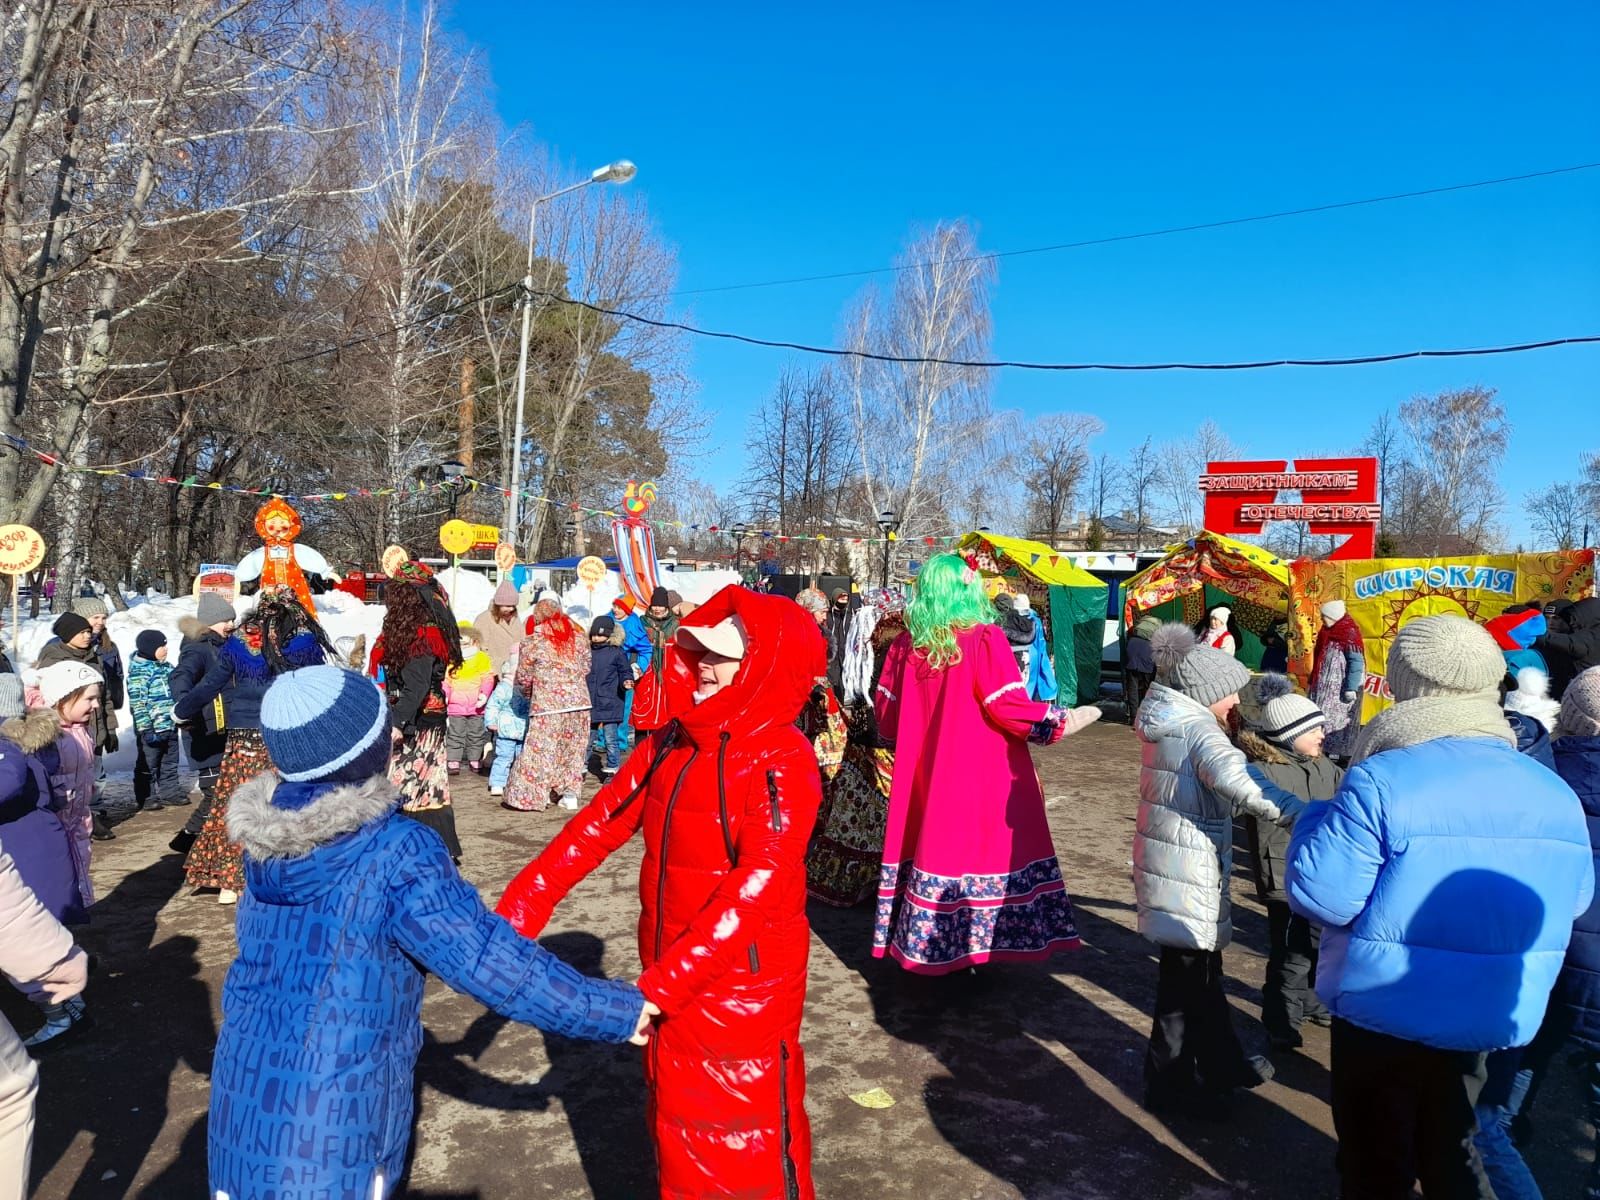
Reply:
x=155, y=765
x=348, y=904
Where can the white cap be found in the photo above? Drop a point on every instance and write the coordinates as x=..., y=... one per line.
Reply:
x=726, y=638
x=60, y=679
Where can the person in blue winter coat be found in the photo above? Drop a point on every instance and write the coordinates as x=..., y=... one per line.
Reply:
x=610, y=681
x=636, y=644
x=1446, y=873
x=347, y=905
x=1515, y=1075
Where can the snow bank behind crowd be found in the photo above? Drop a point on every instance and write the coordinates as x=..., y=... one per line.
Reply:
x=342, y=615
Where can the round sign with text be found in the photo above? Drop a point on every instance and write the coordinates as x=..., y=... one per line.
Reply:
x=21, y=549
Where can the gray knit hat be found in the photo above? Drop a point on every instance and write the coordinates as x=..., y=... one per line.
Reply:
x=1580, y=706
x=90, y=606
x=212, y=609
x=11, y=702
x=1444, y=656
x=1199, y=672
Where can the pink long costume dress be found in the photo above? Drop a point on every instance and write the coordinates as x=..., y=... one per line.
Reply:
x=969, y=869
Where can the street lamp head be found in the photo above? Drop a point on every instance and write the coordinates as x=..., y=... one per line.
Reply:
x=740, y=530
x=452, y=470
x=618, y=172
x=887, y=520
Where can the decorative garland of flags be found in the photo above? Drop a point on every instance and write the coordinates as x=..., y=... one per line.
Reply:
x=473, y=484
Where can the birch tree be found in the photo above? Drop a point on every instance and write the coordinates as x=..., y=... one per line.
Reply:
x=921, y=425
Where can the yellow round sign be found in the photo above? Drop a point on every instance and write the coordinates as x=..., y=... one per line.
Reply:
x=591, y=570
x=393, y=559
x=21, y=549
x=505, y=556
x=457, y=537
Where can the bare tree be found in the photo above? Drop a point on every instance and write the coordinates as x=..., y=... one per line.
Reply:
x=1102, y=485
x=800, y=457
x=1181, y=465
x=138, y=143
x=1056, y=461
x=1558, y=515
x=1457, y=441
x=598, y=248
x=1386, y=441
x=1141, y=477
x=921, y=426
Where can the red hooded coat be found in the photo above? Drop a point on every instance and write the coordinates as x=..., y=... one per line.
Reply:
x=727, y=794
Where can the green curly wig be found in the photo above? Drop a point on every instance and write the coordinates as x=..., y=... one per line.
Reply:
x=946, y=600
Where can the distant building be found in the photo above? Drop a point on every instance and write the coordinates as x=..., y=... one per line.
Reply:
x=1119, y=533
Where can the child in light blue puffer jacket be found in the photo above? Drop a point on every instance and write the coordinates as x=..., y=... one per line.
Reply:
x=507, y=718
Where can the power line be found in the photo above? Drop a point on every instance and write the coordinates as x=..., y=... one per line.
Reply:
x=907, y=359
x=1113, y=239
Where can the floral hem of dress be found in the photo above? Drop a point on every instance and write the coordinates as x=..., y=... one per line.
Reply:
x=979, y=959
x=941, y=923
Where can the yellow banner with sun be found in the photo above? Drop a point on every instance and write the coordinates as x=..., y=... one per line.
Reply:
x=1383, y=594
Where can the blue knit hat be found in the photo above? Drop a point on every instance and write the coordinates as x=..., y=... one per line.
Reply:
x=324, y=725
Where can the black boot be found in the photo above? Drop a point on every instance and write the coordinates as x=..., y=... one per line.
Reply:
x=100, y=829
x=182, y=842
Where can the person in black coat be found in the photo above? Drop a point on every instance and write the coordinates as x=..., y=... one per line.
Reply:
x=1572, y=644
x=610, y=679
x=204, y=737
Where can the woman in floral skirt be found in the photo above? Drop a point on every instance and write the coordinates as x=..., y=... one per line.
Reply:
x=420, y=643
x=278, y=636
x=552, y=671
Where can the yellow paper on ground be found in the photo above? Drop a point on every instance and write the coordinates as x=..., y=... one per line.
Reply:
x=876, y=1098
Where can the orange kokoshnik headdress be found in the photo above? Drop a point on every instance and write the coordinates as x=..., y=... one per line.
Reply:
x=279, y=526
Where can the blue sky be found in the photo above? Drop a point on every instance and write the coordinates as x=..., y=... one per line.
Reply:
x=780, y=140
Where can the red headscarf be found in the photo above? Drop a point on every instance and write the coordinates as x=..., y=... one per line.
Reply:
x=549, y=622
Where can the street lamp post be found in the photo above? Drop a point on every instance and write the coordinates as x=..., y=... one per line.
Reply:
x=739, y=532
x=618, y=172
x=453, y=473
x=889, y=523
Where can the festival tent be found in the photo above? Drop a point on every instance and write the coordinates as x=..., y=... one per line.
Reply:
x=1196, y=575
x=1382, y=595
x=1071, y=601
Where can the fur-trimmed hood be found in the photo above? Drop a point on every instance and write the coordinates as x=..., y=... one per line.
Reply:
x=1257, y=749
x=35, y=731
x=270, y=834
x=192, y=630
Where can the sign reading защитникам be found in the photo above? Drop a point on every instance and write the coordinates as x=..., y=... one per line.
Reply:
x=1337, y=496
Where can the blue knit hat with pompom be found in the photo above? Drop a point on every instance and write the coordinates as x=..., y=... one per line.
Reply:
x=323, y=725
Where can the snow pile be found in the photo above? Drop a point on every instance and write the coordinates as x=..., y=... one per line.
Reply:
x=697, y=586
x=470, y=592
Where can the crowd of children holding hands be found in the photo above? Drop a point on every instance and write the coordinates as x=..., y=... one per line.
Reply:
x=1445, y=872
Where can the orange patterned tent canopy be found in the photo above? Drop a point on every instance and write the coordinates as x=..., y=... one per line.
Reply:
x=1238, y=568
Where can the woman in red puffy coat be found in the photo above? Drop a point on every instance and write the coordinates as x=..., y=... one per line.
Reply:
x=727, y=794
